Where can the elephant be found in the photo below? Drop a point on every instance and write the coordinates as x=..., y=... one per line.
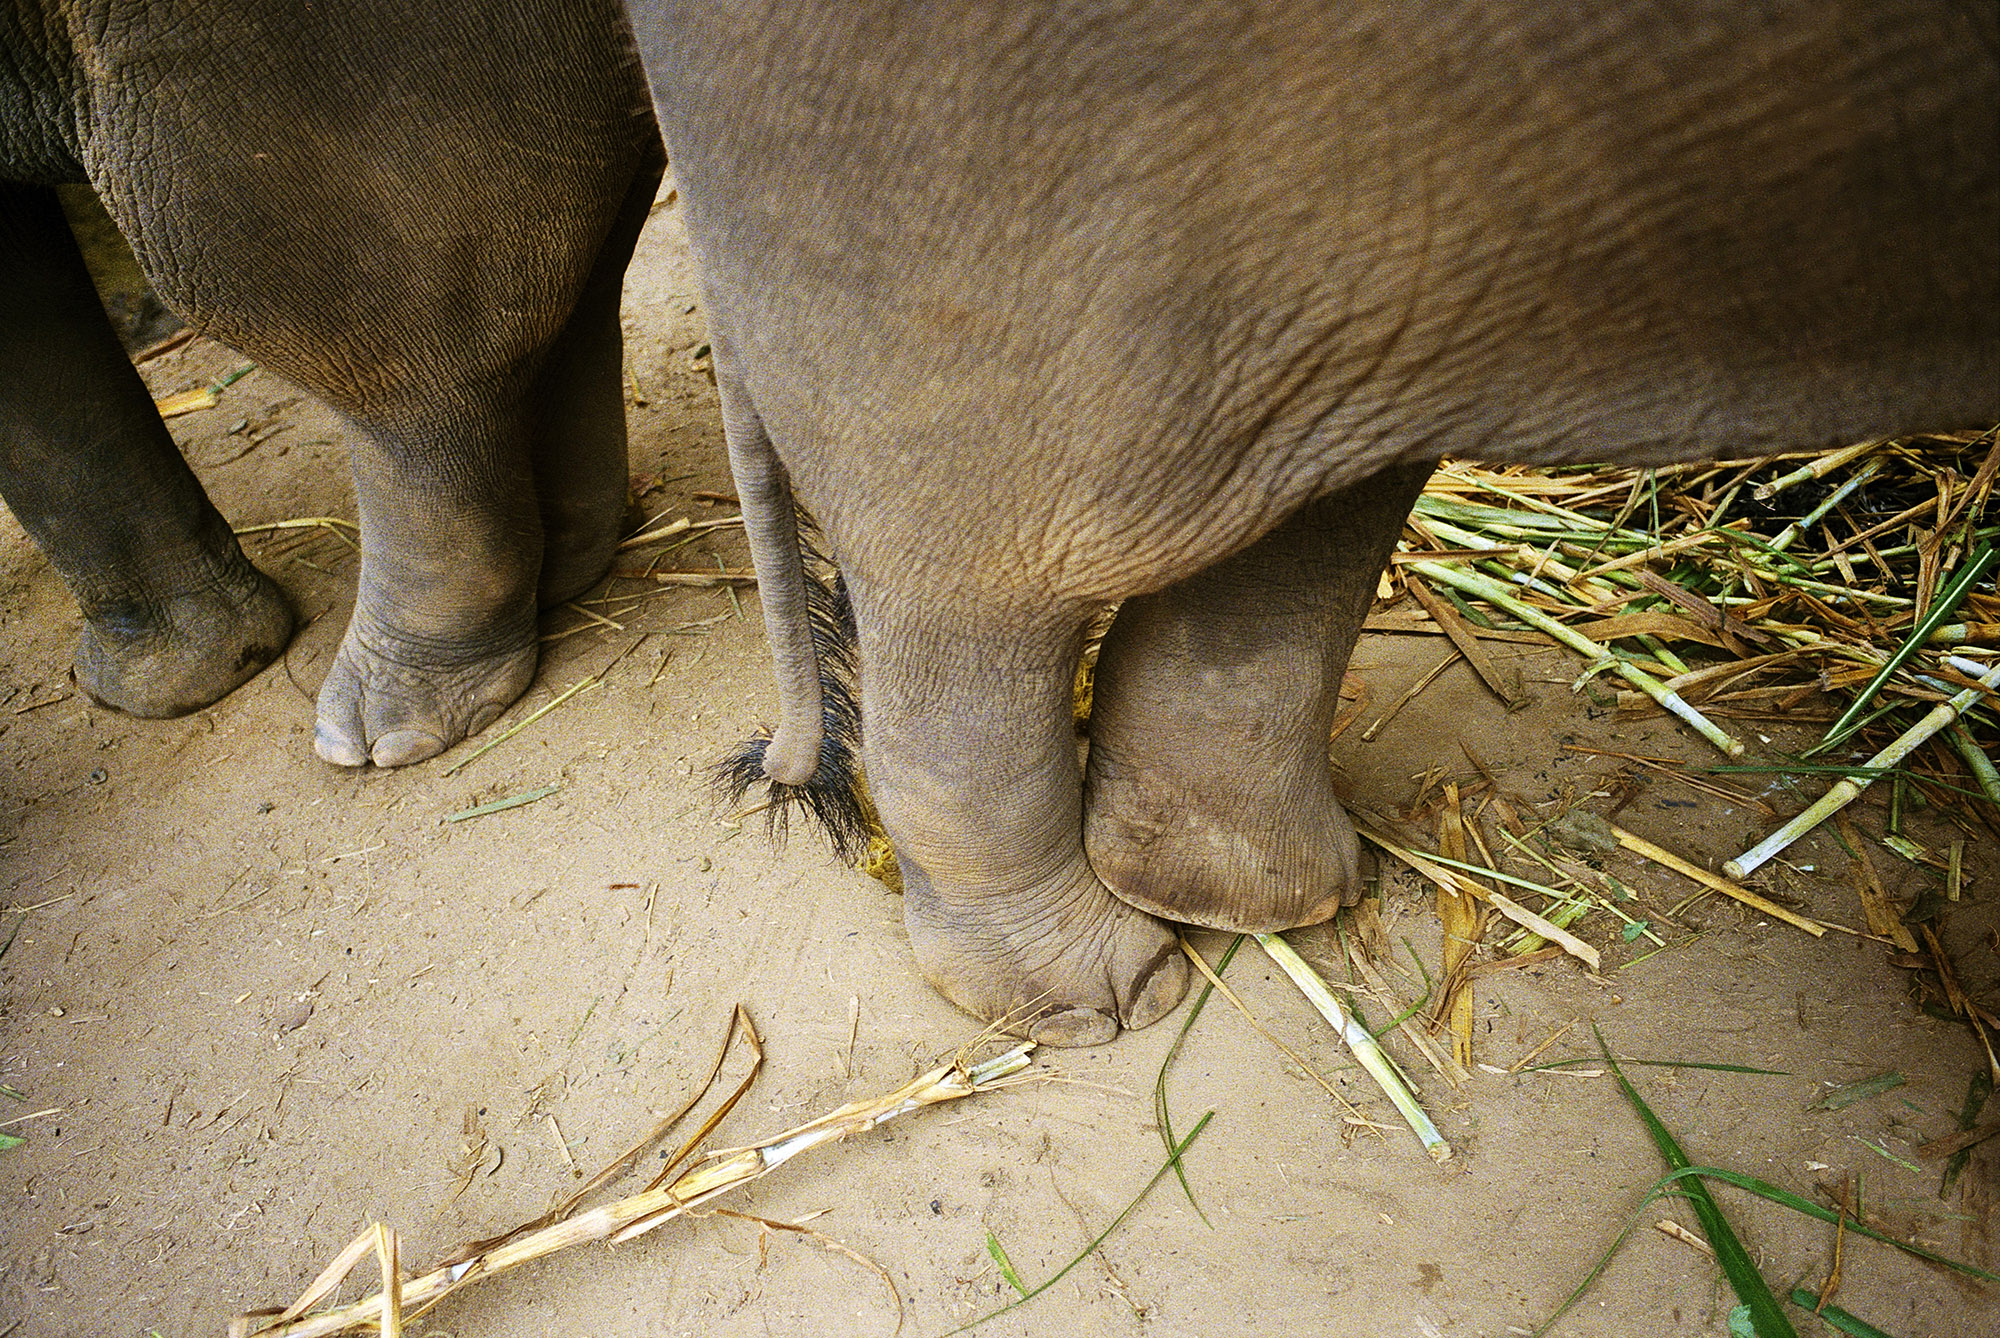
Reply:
x=420, y=216
x=1041, y=307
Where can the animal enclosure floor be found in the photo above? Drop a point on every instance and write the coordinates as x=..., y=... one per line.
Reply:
x=265, y=1002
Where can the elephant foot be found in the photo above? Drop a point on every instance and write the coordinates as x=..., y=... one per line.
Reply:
x=1062, y=964
x=1255, y=858
x=164, y=655
x=1209, y=797
x=393, y=699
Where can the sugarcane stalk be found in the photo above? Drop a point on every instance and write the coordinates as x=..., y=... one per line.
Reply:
x=1976, y=759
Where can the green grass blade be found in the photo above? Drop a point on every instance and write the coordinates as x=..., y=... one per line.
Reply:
x=1663, y=1064
x=1102, y=1236
x=8, y=1141
x=502, y=805
x=1670, y=1184
x=1603, y=1262
x=1767, y=1319
x=1006, y=1265
x=1770, y=1193
x=1941, y=608
x=1834, y=1317
x=1416, y=1006
x=1162, y=1116
x=1847, y=1094
x=1976, y=1093
x=1889, y=1156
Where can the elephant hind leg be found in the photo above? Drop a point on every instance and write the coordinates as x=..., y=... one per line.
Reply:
x=174, y=615
x=971, y=757
x=577, y=442
x=1209, y=797
x=484, y=494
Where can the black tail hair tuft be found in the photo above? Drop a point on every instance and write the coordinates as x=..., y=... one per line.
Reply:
x=831, y=799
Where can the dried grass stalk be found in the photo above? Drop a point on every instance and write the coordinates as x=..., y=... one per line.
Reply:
x=1447, y=1068
x=738, y=577
x=1463, y=922
x=1640, y=846
x=643, y=1212
x=1431, y=868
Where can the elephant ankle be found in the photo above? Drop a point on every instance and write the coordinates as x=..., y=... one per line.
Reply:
x=573, y=562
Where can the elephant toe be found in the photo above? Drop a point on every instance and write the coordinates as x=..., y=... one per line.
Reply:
x=394, y=705
x=1156, y=990
x=165, y=655
x=337, y=746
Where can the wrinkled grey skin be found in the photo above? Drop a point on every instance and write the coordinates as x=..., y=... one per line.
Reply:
x=421, y=215
x=1046, y=305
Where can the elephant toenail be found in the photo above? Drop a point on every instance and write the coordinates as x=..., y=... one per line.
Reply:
x=400, y=747
x=335, y=747
x=1074, y=1027
x=1161, y=987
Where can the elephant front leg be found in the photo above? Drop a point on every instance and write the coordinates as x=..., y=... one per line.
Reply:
x=971, y=757
x=174, y=615
x=1210, y=796
x=443, y=634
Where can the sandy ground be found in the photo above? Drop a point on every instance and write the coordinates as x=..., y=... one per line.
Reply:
x=256, y=1003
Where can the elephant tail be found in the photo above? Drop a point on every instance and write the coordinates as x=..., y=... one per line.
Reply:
x=808, y=762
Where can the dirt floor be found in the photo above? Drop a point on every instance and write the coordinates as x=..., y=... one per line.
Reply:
x=254, y=1003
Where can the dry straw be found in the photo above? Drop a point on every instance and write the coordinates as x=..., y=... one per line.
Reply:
x=1864, y=609
x=402, y=1299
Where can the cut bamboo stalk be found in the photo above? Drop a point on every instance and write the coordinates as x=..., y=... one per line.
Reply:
x=1976, y=758
x=1372, y=1056
x=667, y=531
x=1497, y=594
x=677, y=527
x=1817, y=469
x=1789, y=535
x=1699, y=539
x=1847, y=789
x=1667, y=859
